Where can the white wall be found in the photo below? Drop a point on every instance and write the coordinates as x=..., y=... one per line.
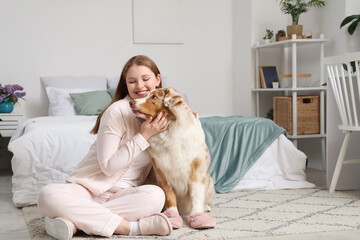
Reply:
x=242, y=66
x=94, y=37
x=268, y=57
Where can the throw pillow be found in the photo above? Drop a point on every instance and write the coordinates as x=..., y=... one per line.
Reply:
x=91, y=103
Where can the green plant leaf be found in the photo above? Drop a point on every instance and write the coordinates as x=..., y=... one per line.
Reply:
x=348, y=19
x=352, y=65
x=353, y=26
x=316, y=3
x=270, y=114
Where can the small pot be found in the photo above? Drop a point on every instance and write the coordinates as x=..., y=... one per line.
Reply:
x=294, y=29
x=267, y=41
x=278, y=35
x=275, y=84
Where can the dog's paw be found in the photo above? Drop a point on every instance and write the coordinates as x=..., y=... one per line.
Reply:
x=201, y=221
x=174, y=217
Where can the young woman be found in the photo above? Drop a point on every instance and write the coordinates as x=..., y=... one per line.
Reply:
x=104, y=194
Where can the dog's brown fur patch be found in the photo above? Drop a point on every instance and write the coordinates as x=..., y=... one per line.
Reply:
x=155, y=103
x=193, y=168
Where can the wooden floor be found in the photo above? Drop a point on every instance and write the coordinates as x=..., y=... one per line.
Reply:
x=12, y=223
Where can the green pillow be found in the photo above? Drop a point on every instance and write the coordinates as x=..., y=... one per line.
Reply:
x=91, y=103
x=111, y=91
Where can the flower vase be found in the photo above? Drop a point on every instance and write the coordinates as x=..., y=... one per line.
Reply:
x=6, y=106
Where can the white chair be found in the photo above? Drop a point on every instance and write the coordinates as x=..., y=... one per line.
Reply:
x=346, y=88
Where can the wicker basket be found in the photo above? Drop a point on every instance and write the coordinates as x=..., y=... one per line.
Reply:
x=308, y=114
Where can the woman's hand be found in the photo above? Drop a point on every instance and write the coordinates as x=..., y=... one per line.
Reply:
x=151, y=127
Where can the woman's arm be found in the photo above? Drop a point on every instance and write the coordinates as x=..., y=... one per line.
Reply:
x=111, y=135
x=114, y=152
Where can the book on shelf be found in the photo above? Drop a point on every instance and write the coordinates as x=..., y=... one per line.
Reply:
x=266, y=76
x=261, y=79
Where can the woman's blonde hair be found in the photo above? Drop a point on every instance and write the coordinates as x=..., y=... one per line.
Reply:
x=121, y=90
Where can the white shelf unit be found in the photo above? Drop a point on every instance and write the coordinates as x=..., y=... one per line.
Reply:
x=9, y=122
x=293, y=44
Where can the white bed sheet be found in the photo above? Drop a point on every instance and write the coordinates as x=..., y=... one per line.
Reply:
x=281, y=166
x=47, y=149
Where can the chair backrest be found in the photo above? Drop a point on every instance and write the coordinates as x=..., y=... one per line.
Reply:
x=344, y=76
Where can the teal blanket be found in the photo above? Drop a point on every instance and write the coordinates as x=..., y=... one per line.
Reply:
x=235, y=143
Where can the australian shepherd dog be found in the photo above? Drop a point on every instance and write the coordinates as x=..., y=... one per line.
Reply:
x=180, y=158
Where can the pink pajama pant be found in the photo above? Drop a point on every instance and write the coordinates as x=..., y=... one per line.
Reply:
x=99, y=215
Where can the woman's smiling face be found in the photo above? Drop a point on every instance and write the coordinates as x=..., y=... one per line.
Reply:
x=140, y=80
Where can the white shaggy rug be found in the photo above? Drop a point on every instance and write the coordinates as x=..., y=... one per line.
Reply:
x=255, y=213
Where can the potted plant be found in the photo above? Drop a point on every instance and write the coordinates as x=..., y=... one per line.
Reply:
x=9, y=95
x=270, y=114
x=268, y=36
x=275, y=83
x=295, y=8
x=279, y=34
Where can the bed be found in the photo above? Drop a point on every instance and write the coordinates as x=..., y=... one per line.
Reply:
x=246, y=152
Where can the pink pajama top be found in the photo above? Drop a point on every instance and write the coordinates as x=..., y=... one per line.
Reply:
x=118, y=156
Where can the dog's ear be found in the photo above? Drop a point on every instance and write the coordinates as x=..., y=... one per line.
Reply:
x=172, y=98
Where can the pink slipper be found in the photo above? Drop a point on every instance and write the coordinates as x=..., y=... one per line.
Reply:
x=175, y=219
x=201, y=221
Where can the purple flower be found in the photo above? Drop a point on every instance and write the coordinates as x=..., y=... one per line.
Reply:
x=2, y=97
x=9, y=89
x=17, y=87
x=11, y=92
x=19, y=94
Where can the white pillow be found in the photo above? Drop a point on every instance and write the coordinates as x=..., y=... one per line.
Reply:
x=70, y=82
x=61, y=103
x=112, y=82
